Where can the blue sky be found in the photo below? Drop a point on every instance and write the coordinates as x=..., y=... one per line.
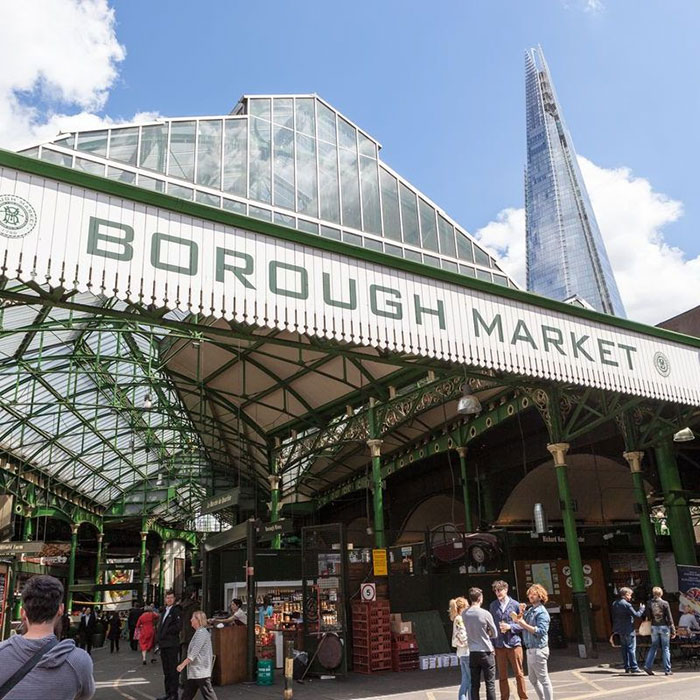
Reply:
x=439, y=84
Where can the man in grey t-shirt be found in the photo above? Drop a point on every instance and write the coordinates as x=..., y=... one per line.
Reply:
x=64, y=672
x=481, y=629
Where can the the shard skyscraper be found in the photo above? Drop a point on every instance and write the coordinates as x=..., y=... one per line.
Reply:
x=566, y=256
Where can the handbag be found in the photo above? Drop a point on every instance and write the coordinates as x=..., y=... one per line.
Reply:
x=645, y=629
x=137, y=633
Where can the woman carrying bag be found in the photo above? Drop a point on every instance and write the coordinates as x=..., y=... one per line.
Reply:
x=460, y=642
x=199, y=660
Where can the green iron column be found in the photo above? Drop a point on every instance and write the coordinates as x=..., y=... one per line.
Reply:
x=375, y=447
x=142, y=566
x=680, y=523
x=634, y=459
x=275, y=507
x=582, y=607
x=28, y=532
x=71, y=565
x=462, y=452
x=98, y=571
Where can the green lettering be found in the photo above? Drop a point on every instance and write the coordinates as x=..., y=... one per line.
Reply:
x=303, y=277
x=193, y=254
x=352, y=291
x=239, y=271
x=522, y=332
x=547, y=340
x=495, y=324
x=629, y=349
x=397, y=312
x=96, y=234
x=578, y=346
x=420, y=310
x=605, y=352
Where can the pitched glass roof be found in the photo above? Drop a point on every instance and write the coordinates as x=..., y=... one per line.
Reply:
x=292, y=159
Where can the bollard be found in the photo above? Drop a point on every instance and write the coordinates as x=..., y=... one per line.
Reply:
x=288, y=670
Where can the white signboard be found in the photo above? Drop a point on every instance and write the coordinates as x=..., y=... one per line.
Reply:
x=60, y=234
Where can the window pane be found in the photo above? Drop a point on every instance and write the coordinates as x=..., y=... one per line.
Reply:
x=180, y=191
x=121, y=175
x=481, y=257
x=464, y=247
x=260, y=213
x=326, y=123
x=285, y=220
x=409, y=214
x=352, y=238
x=393, y=250
x=467, y=270
x=346, y=135
x=94, y=142
x=500, y=279
x=89, y=166
x=123, y=145
x=432, y=261
x=428, y=226
x=284, y=167
x=328, y=174
x=283, y=112
x=306, y=122
x=209, y=154
x=150, y=183
x=153, y=144
x=483, y=275
x=308, y=226
x=367, y=147
x=374, y=245
x=413, y=255
x=350, y=189
x=328, y=232
x=307, y=186
x=447, y=237
x=390, y=206
x=181, y=163
x=260, y=107
x=260, y=161
x=449, y=265
x=212, y=200
x=235, y=155
x=370, y=196
x=232, y=205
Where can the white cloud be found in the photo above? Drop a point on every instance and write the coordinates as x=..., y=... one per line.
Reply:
x=656, y=280
x=62, y=55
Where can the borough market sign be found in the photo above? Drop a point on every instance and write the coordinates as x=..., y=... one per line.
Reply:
x=78, y=237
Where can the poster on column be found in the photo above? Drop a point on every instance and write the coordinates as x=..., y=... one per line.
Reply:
x=119, y=600
x=689, y=589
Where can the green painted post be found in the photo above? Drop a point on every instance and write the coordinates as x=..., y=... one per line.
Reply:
x=680, y=523
x=71, y=565
x=28, y=528
x=462, y=452
x=98, y=573
x=375, y=447
x=275, y=507
x=634, y=459
x=582, y=608
x=142, y=566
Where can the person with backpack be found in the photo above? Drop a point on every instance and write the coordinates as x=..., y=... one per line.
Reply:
x=36, y=664
x=658, y=612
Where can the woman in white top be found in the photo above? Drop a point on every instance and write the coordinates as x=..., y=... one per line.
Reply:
x=199, y=660
x=459, y=640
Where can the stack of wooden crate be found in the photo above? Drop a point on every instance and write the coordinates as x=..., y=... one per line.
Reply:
x=371, y=637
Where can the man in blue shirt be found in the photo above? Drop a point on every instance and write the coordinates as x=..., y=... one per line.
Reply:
x=623, y=615
x=507, y=645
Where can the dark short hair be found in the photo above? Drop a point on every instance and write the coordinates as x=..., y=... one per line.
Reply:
x=41, y=598
x=498, y=585
x=475, y=594
x=238, y=602
x=170, y=592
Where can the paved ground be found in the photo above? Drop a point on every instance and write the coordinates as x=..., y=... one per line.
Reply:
x=122, y=677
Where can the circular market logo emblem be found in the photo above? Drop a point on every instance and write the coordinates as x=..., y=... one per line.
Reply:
x=662, y=365
x=17, y=216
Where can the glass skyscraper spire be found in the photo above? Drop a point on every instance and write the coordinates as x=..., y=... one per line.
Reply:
x=566, y=256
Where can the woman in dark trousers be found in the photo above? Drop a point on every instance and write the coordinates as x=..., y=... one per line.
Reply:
x=114, y=628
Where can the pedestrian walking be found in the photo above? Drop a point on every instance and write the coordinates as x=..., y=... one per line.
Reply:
x=87, y=628
x=36, y=664
x=662, y=631
x=623, y=616
x=534, y=621
x=481, y=630
x=145, y=632
x=188, y=606
x=134, y=615
x=114, y=628
x=168, y=640
x=507, y=645
x=461, y=643
x=199, y=660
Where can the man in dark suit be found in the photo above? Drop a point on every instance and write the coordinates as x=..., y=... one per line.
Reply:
x=87, y=628
x=168, y=640
x=134, y=615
